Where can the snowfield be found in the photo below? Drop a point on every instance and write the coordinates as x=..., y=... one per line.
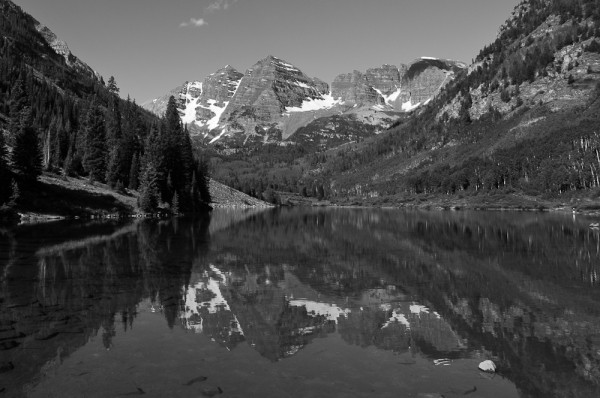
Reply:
x=316, y=104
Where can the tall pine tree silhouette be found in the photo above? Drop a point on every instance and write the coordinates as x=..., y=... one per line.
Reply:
x=27, y=154
x=94, y=160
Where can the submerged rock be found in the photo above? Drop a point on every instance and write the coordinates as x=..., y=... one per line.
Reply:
x=487, y=366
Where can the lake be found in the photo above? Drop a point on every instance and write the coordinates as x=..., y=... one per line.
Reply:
x=302, y=303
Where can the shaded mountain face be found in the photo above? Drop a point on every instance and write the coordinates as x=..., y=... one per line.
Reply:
x=274, y=99
x=402, y=88
x=27, y=40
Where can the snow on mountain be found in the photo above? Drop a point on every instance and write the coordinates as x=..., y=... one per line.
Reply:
x=330, y=311
x=273, y=98
x=204, y=299
x=314, y=104
x=191, y=102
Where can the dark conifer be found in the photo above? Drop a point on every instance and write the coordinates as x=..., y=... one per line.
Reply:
x=134, y=172
x=27, y=155
x=149, y=195
x=94, y=160
x=4, y=171
x=3, y=155
x=112, y=87
x=17, y=103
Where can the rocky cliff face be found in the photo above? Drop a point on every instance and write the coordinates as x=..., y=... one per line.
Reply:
x=61, y=48
x=401, y=88
x=274, y=99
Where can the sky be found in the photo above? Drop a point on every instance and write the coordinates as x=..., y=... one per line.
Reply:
x=152, y=46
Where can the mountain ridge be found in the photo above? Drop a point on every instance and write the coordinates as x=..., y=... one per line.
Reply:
x=274, y=98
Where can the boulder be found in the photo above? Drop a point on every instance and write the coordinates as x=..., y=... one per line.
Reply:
x=487, y=366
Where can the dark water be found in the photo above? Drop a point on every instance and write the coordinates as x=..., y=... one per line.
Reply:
x=302, y=303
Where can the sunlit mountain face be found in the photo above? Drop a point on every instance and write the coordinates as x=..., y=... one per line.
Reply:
x=344, y=298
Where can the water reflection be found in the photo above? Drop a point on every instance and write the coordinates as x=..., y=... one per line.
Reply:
x=435, y=290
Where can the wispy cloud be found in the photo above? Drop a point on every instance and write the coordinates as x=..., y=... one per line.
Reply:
x=219, y=5
x=193, y=22
x=216, y=5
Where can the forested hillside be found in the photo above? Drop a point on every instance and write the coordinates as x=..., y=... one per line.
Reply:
x=57, y=115
x=523, y=118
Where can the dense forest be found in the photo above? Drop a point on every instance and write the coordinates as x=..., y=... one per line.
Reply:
x=60, y=117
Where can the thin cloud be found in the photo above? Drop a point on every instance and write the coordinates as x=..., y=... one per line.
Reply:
x=193, y=22
x=218, y=5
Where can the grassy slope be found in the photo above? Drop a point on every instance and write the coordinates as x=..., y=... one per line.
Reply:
x=55, y=196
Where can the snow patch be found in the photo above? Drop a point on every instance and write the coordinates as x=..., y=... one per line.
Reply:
x=215, y=304
x=389, y=99
x=314, y=104
x=237, y=85
x=301, y=84
x=218, y=137
x=191, y=103
x=408, y=106
x=213, y=123
x=330, y=311
x=417, y=309
x=396, y=317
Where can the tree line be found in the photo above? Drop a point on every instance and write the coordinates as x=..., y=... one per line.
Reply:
x=106, y=140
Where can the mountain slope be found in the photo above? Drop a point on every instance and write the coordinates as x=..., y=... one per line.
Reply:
x=523, y=118
x=57, y=115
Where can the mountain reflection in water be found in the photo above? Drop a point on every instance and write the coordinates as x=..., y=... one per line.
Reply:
x=372, y=302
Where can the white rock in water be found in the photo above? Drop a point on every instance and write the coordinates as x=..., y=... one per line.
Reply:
x=487, y=366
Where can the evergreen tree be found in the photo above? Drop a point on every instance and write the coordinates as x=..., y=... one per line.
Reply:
x=113, y=141
x=27, y=157
x=201, y=179
x=149, y=193
x=17, y=103
x=4, y=172
x=3, y=155
x=134, y=172
x=94, y=160
x=112, y=87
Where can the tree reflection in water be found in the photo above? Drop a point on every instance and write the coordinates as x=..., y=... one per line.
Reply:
x=519, y=288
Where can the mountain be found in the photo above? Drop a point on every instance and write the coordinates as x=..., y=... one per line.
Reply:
x=521, y=121
x=517, y=128
x=274, y=99
x=404, y=88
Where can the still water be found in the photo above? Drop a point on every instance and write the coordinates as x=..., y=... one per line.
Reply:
x=302, y=303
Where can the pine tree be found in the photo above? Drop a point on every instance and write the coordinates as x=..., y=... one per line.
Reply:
x=15, y=193
x=94, y=160
x=202, y=180
x=4, y=172
x=27, y=157
x=175, y=168
x=149, y=194
x=113, y=141
x=112, y=86
x=17, y=103
x=134, y=172
x=3, y=155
